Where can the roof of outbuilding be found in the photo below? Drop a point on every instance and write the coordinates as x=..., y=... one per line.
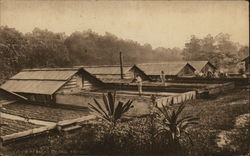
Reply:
x=109, y=73
x=115, y=80
x=106, y=69
x=39, y=81
x=169, y=68
x=32, y=86
x=44, y=75
x=198, y=65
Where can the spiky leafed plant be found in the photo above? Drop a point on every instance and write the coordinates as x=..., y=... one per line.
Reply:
x=2, y=124
x=173, y=125
x=109, y=110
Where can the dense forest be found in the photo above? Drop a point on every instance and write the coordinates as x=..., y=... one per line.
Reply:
x=43, y=48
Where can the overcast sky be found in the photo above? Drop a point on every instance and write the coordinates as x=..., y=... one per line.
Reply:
x=167, y=24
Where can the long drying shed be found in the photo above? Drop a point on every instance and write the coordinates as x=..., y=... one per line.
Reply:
x=40, y=85
x=112, y=73
x=170, y=69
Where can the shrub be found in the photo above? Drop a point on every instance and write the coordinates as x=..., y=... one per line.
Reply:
x=173, y=127
x=109, y=110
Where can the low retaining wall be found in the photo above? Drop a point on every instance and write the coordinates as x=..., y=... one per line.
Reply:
x=237, y=81
x=29, y=133
x=41, y=130
x=191, y=95
x=82, y=100
x=219, y=88
x=141, y=103
x=147, y=86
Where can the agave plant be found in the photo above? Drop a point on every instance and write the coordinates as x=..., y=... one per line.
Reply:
x=2, y=124
x=109, y=110
x=173, y=125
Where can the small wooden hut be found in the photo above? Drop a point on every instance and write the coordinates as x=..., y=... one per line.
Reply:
x=40, y=85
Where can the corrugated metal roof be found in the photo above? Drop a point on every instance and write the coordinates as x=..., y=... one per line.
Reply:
x=32, y=86
x=169, y=68
x=44, y=74
x=106, y=70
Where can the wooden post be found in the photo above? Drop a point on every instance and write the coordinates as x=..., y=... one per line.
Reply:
x=121, y=64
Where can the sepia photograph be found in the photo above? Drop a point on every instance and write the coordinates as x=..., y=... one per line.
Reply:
x=124, y=78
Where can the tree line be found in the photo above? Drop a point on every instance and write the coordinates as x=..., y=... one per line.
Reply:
x=219, y=50
x=43, y=48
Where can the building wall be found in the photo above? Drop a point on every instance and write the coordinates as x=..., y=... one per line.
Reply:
x=129, y=75
x=186, y=71
x=38, y=98
x=156, y=77
x=134, y=72
x=115, y=76
x=207, y=68
x=77, y=83
x=247, y=65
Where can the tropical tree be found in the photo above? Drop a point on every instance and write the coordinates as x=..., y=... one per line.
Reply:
x=109, y=110
x=173, y=126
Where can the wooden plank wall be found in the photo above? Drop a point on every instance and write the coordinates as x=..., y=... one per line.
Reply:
x=76, y=83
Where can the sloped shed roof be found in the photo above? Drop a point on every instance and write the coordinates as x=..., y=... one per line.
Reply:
x=39, y=81
x=198, y=65
x=33, y=86
x=169, y=68
x=106, y=70
x=49, y=74
x=109, y=73
x=114, y=80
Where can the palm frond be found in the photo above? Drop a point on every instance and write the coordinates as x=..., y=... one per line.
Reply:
x=179, y=110
x=164, y=112
x=111, y=102
x=105, y=101
x=175, y=125
x=185, y=125
x=127, y=106
x=98, y=113
x=114, y=96
x=100, y=107
x=185, y=118
x=118, y=111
